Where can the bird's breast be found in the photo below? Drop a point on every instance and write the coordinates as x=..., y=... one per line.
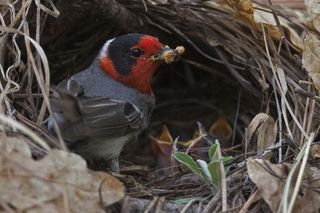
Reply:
x=103, y=148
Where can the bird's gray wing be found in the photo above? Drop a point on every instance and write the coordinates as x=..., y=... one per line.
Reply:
x=81, y=117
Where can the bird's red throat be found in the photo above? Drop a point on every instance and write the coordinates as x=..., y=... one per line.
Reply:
x=139, y=78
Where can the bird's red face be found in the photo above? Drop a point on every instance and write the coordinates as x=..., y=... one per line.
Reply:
x=129, y=59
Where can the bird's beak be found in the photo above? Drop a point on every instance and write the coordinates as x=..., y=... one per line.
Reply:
x=168, y=55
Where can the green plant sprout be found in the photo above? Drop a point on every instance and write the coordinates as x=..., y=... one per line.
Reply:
x=209, y=173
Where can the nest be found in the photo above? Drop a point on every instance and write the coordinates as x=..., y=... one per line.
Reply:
x=232, y=67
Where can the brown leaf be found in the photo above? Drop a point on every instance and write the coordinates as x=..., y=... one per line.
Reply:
x=296, y=4
x=313, y=6
x=315, y=151
x=314, y=12
x=265, y=16
x=263, y=127
x=58, y=182
x=242, y=8
x=311, y=58
x=256, y=14
x=270, y=180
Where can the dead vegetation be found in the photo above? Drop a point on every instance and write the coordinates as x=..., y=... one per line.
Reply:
x=250, y=76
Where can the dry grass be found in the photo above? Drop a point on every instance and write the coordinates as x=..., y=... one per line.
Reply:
x=225, y=52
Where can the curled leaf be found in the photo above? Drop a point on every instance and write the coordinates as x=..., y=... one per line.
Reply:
x=311, y=58
x=47, y=184
x=264, y=128
x=270, y=180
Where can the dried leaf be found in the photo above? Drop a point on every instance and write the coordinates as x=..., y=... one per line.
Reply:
x=315, y=151
x=282, y=79
x=315, y=22
x=295, y=4
x=58, y=182
x=264, y=127
x=270, y=180
x=313, y=6
x=242, y=8
x=311, y=58
x=246, y=9
x=265, y=16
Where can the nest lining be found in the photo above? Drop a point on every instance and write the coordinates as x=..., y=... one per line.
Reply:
x=226, y=71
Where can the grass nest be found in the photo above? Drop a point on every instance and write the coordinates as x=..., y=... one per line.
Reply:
x=234, y=67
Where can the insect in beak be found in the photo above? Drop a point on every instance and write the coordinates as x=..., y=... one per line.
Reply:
x=168, y=55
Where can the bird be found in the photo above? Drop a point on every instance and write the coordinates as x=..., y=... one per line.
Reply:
x=100, y=109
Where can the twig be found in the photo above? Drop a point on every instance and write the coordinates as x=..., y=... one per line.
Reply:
x=223, y=179
x=212, y=202
x=160, y=205
x=151, y=205
x=301, y=172
x=186, y=207
x=282, y=92
x=25, y=130
x=283, y=36
x=236, y=118
x=311, y=116
x=307, y=94
x=303, y=155
x=253, y=198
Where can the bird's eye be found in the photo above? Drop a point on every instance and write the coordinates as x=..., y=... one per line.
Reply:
x=136, y=52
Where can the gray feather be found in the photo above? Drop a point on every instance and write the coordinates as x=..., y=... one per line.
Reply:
x=92, y=109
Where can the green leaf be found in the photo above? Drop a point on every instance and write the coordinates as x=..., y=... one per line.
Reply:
x=186, y=160
x=204, y=167
x=226, y=169
x=213, y=152
x=226, y=159
x=214, y=168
